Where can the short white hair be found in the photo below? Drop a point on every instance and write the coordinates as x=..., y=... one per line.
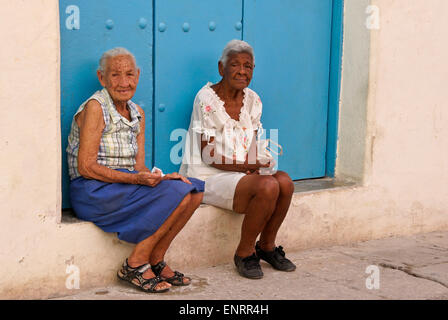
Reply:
x=236, y=46
x=115, y=52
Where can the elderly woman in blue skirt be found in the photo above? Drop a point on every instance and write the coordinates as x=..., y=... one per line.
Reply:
x=111, y=186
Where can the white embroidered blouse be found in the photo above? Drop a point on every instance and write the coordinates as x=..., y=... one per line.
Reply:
x=232, y=138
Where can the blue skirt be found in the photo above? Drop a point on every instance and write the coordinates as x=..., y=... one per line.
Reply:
x=135, y=212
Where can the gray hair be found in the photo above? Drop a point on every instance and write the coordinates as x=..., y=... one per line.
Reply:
x=114, y=53
x=236, y=46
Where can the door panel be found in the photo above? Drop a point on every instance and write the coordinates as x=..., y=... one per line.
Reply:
x=89, y=28
x=189, y=38
x=291, y=40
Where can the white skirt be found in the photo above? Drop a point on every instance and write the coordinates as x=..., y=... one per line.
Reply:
x=220, y=189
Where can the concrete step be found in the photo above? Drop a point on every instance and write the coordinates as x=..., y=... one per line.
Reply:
x=212, y=234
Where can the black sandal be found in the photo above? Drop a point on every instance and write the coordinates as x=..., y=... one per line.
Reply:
x=176, y=280
x=132, y=275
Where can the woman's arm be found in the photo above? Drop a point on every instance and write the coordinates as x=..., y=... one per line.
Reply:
x=140, y=157
x=91, y=125
x=249, y=165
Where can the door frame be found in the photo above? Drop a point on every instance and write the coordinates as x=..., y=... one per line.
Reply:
x=336, y=52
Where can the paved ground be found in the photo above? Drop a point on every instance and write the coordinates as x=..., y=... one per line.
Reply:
x=413, y=267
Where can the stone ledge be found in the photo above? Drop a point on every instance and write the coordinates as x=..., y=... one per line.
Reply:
x=212, y=234
x=300, y=187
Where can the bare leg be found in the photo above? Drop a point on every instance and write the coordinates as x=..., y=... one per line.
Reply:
x=158, y=252
x=142, y=251
x=256, y=197
x=269, y=233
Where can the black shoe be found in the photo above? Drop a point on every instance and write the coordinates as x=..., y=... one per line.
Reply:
x=275, y=258
x=249, y=267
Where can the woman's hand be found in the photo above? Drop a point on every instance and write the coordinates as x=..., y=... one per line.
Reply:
x=175, y=176
x=149, y=179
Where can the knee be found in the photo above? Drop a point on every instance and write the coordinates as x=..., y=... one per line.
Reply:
x=185, y=202
x=268, y=188
x=286, y=185
x=192, y=201
x=196, y=199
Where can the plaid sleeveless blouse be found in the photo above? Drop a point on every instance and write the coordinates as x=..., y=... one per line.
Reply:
x=118, y=145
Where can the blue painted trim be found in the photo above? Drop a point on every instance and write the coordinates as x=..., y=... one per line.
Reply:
x=337, y=28
x=153, y=119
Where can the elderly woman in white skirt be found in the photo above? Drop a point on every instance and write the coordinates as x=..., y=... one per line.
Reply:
x=222, y=134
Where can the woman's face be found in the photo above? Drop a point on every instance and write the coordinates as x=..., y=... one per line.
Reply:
x=120, y=78
x=238, y=70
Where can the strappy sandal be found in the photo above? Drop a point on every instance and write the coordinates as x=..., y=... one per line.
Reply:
x=176, y=280
x=132, y=275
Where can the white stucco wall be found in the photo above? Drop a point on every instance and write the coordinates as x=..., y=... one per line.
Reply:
x=402, y=161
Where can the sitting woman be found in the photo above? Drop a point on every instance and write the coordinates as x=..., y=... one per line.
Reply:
x=224, y=124
x=111, y=186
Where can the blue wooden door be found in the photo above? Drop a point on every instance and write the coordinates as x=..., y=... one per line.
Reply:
x=291, y=40
x=189, y=38
x=89, y=28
